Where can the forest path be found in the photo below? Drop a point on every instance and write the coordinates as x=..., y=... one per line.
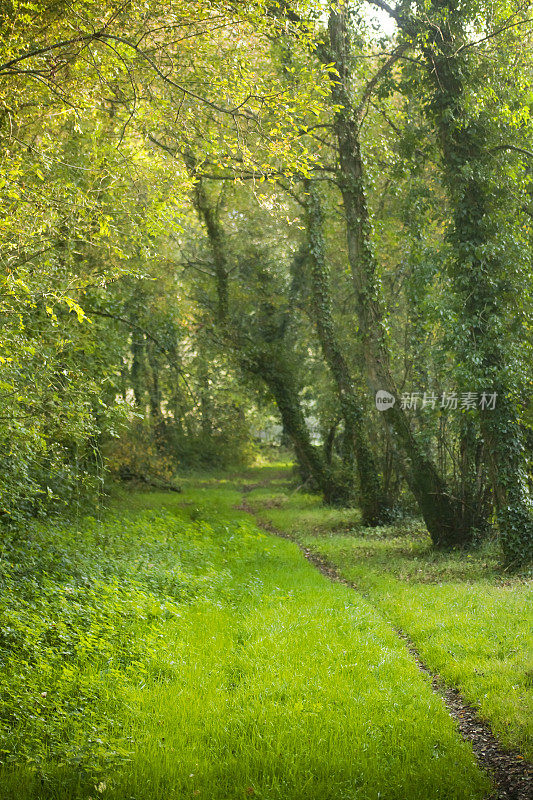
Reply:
x=207, y=659
x=510, y=773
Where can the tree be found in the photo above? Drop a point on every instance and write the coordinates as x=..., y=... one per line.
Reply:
x=481, y=274
x=371, y=497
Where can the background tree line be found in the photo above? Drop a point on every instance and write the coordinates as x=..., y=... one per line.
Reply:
x=217, y=212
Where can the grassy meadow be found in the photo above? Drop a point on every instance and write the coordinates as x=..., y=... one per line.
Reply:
x=175, y=650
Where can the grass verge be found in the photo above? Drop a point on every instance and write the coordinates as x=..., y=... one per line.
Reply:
x=471, y=622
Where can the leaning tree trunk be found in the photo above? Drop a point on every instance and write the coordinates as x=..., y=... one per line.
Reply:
x=270, y=366
x=371, y=495
x=441, y=512
x=279, y=378
x=208, y=213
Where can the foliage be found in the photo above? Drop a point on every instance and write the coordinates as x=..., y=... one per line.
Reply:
x=83, y=613
x=158, y=262
x=134, y=455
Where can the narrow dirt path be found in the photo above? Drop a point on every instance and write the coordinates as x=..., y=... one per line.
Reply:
x=511, y=774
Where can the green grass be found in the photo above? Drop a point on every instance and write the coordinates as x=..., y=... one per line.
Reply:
x=471, y=622
x=174, y=650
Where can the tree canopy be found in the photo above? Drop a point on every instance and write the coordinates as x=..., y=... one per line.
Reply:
x=216, y=217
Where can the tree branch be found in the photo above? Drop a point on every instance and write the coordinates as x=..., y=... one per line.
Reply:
x=375, y=79
x=516, y=149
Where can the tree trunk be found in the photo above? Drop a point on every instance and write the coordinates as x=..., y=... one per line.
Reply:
x=206, y=415
x=137, y=364
x=209, y=215
x=330, y=441
x=154, y=396
x=479, y=280
x=371, y=496
x=441, y=512
x=279, y=379
x=268, y=364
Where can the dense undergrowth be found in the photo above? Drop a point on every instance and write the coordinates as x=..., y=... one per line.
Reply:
x=470, y=620
x=173, y=650
x=84, y=614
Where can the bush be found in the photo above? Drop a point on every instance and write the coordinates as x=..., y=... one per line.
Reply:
x=137, y=454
